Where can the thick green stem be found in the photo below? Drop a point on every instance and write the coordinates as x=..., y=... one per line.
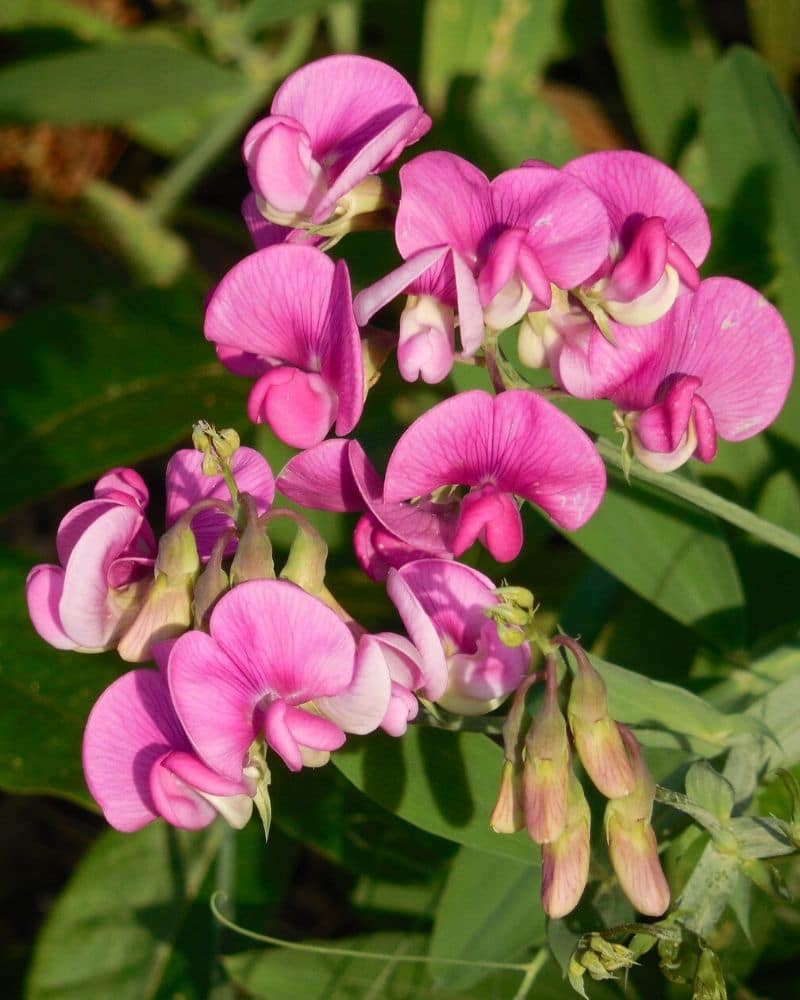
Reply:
x=188, y=171
x=685, y=489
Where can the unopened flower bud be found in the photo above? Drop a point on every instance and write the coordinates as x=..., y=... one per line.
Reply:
x=546, y=771
x=508, y=815
x=211, y=584
x=253, y=559
x=217, y=446
x=597, y=737
x=631, y=839
x=511, y=635
x=709, y=979
x=565, y=861
x=516, y=596
x=167, y=610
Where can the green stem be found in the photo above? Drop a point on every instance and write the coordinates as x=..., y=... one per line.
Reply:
x=685, y=489
x=188, y=171
x=532, y=970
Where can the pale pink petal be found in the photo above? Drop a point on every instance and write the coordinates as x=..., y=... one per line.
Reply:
x=122, y=483
x=178, y=803
x=377, y=295
x=633, y=185
x=445, y=201
x=284, y=641
x=320, y=478
x=87, y=613
x=282, y=167
x=131, y=726
x=215, y=702
x=76, y=522
x=567, y=224
x=43, y=590
x=361, y=706
x=470, y=314
x=422, y=633
x=403, y=708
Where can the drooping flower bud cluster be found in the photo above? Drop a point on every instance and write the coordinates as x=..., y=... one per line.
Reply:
x=596, y=263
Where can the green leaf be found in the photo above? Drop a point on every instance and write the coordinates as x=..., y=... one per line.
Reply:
x=489, y=911
x=775, y=25
x=708, y=890
x=112, y=931
x=667, y=715
x=670, y=553
x=753, y=155
x=444, y=782
x=260, y=14
x=88, y=389
x=81, y=21
x=663, y=54
x=777, y=710
x=710, y=789
x=109, y=84
x=780, y=501
x=46, y=697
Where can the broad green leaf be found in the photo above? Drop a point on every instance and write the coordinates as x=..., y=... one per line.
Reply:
x=88, y=389
x=777, y=710
x=708, y=889
x=109, y=84
x=77, y=18
x=780, y=501
x=112, y=931
x=664, y=710
x=710, y=789
x=444, y=782
x=671, y=554
x=489, y=911
x=663, y=55
x=46, y=697
x=753, y=154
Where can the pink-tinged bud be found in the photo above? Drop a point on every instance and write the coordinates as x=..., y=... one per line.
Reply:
x=211, y=584
x=565, y=861
x=597, y=737
x=546, y=771
x=508, y=815
x=167, y=610
x=253, y=559
x=631, y=839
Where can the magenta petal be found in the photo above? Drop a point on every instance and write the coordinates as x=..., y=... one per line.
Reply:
x=361, y=706
x=214, y=701
x=288, y=729
x=501, y=264
x=706, y=430
x=422, y=633
x=43, y=590
x=403, y=707
x=635, y=185
x=445, y=201
x=122, y=482
x=662, y=426
x=470, y=314
x=376, y=296
x=342, y=363
x=682, y=263
x=567, y=224
x=299, y=406
x=176, y=801
x=493, y=517
x=262, y=232
x=320, y=478
x=344, y=101
x=282, y=168
x=191, y=770
x=131, y=726
x=241, y=362
x=88, y=615
x=643, y=263
x=453, y=596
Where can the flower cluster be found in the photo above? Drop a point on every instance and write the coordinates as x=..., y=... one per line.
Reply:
x=595, y=265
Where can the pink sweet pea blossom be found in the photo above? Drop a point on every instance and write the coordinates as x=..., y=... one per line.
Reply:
x=139, y=764
x=489, y=251
x=659, y=237
x=501, y=447
x=106, y=551
x=332, y=124
x=443, y=606
x=338, y=476
x=720, y=363
x=284, y=316
x=278, y=665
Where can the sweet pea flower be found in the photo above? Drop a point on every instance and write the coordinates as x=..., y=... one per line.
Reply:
x=489, y=251
x=659, y=237
x=106, y=550
x=338, y=476
x=501, y=447
x=284, y=316
x=719, y=364
x=280, y=666
x=139, y=763
x=333, y=124
x=443, y=606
